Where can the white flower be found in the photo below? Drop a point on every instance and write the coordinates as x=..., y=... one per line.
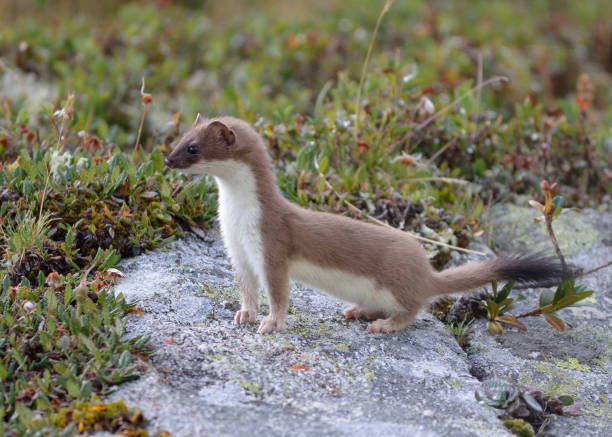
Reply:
x=58, y=160
x=81, y=163
x=61, y=113
x=28, y=305
x=426, y=106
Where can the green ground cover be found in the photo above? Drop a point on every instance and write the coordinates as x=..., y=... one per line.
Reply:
x=434, y=145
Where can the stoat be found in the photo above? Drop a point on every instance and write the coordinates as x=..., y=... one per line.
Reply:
x=384, y=273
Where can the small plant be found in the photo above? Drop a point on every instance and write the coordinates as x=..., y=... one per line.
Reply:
x=553, y=206
x=461, y=331
x=525, y=407
x=96, y=416
x=23, y=235
x=567, y=293
x=497, y=304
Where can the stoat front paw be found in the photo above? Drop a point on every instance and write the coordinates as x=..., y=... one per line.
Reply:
x=269, y=325
x=244, y=316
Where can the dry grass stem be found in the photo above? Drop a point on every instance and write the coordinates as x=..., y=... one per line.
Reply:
x=364, y=69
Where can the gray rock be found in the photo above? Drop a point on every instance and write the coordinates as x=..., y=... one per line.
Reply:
x=208, y=376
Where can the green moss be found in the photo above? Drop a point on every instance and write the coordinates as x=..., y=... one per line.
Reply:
x=519, y=427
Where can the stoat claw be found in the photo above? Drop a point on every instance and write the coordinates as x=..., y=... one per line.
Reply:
x=269, y=325
x=381, y=326
x=244, y=316
x=351, y=312
x=355, y=312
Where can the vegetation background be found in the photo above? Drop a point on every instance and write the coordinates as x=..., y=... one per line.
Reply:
x=460, y=104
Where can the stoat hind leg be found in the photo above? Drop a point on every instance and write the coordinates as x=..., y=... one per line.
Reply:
x=356, y=312
x=396, y=322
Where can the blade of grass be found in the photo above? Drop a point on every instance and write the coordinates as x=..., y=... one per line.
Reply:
x=364, y=68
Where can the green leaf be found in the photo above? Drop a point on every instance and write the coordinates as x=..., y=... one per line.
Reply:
x=546, y=298
x=563, y=289
x=88, y=344
x=532, y=403
x=69, y=239
x=125, y=359
x=492, y=308
x=505, y=302
x=85, y=390
x=68, y=294
x=558, y=202
x=22, y=116
x=321, y=184
x=566, y=400
x=503, y=294
x=567, y=301
x=324, y=165
x=158, y=160
x=72, y=387
x=51, y=301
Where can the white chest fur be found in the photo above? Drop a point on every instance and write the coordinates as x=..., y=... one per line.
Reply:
x=240, y=215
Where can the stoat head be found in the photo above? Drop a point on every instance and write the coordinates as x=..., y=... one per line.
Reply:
x=208, y=147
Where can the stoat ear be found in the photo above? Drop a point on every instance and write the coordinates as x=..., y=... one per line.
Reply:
x=220, y=130
x=197, y=120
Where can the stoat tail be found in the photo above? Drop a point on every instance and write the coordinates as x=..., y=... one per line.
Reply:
x=527, y=269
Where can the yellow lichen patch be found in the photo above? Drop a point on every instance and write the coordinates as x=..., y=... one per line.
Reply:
x=559, y=383
x=369, y=375
x=573, y=364
x=343, y=347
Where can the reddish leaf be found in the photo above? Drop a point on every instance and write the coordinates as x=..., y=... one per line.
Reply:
x=555, y=321
x=299, y=367
x=511, y=320
x=138, y=311
x=363, y=147
x=495, y=328
x=583, y=104
x=107, y=212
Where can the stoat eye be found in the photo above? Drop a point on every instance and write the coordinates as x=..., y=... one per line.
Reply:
x=193, y=149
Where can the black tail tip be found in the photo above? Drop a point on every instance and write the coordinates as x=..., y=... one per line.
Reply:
x=533, y=269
